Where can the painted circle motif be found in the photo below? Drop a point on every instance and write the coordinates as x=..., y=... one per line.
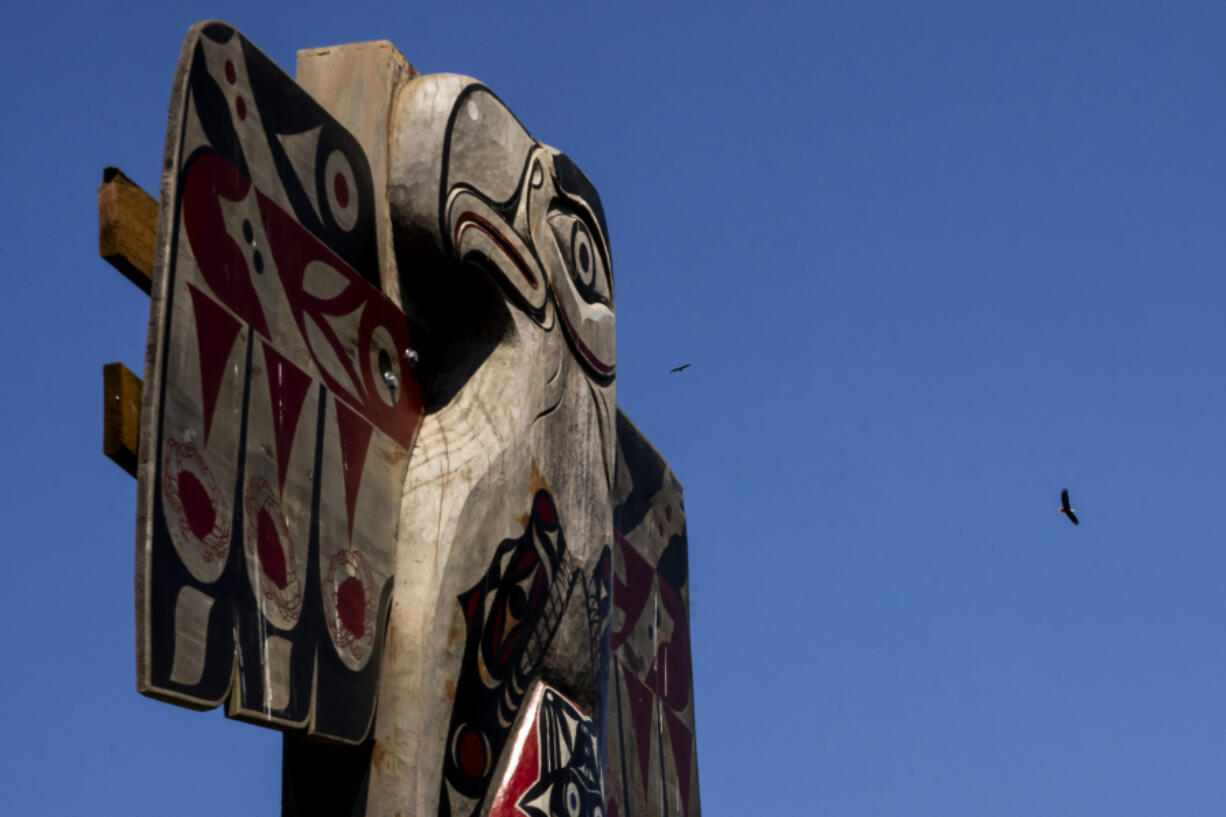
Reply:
x=572, y=799
x=385, y=367
x=470, y=751
x=340, y=186
x=194, y=501
x=351, y=606
x=272, y=565
x=350, y=601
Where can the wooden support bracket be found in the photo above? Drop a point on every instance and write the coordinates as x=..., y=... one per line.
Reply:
x=127, y=232
x=127, y=227
x=121, y=415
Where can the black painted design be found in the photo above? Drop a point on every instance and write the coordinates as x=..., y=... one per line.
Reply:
x=570, y=781
x=511, y=617
x=340, y=699
x=490, y=197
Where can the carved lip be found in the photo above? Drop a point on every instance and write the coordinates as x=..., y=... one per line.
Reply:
x=597, y=364
x=470, y=220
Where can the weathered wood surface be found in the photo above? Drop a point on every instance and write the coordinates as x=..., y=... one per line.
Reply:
x=356, y=83
x=652, y=763
x=280, y=407
x=121, y=398
x=127, y=225
x=506, y=508
x=539, y=539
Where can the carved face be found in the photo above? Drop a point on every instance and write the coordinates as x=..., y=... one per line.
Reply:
x=528, y=215
x=468, y=179
x=533, y=397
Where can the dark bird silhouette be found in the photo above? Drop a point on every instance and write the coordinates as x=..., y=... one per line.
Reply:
x=680, y=368
x=1065, y=509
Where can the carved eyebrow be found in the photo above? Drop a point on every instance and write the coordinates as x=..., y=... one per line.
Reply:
x=578, y=186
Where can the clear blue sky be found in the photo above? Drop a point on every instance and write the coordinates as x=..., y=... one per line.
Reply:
x=931, y=262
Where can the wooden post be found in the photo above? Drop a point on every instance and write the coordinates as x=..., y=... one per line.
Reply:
x=120, y=415
x=357, y=83
x=127, y=227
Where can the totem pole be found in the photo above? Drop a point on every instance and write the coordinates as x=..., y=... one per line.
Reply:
x=387, y=502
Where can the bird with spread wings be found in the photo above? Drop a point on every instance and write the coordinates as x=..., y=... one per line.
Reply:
x=1066, y=509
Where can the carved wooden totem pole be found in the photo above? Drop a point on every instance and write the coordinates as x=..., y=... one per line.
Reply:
x=387, y=501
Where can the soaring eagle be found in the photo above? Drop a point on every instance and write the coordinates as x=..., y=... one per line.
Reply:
x=1065, y=509
x=680, y=368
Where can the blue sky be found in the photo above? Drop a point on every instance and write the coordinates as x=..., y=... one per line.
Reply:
x=931, y=264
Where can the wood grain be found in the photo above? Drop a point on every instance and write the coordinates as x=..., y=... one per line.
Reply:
x=127, y=227
x=356, y=83
x=120, y=415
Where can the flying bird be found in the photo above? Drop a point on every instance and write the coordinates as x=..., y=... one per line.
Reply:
x=680, y=368
x=1066, y=509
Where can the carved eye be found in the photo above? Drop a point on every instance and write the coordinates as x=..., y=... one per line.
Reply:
x=583, y=255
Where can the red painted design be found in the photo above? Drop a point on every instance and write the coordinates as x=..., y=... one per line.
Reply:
x=269, y=549
x=354, y=435
x=273, y=550
x=631, y=595
x=642, y=702
x=340, y=188
x=349, y=603
x=472, y=754
x=231, y=74
x=240, y=105
x=197, y=504
x=223, y=266
x=525, y=772
x=670, y=674
x=294, y=248
x=538, y=770
x=681, y=739
x=545, y=510
x=195, y=500
x=216, y=331
x=351, y=606
x=287, y=387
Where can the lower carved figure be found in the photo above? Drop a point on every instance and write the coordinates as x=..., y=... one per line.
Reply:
x=511, y=616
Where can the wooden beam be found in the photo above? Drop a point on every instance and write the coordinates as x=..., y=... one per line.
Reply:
x=127, y=227
x=121, y=415
x=127, y=231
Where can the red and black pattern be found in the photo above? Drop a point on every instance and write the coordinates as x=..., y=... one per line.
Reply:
x=648, y=699
x=570, y=778
x=511, y=616
x=285, y=406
